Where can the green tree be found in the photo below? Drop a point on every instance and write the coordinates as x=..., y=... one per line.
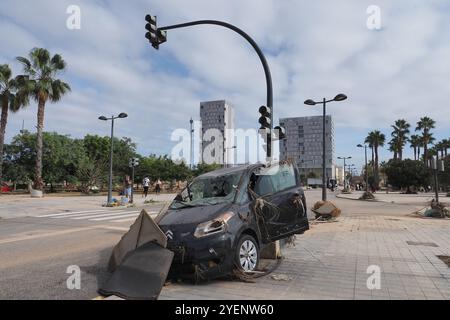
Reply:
x=415, y=143
x=399, y=137
x=10, y=100
x=376, y=139
x=40, y=72
x=407, y=173
x=20, y=158
x=425, y=124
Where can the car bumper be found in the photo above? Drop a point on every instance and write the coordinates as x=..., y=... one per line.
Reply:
x=203, y=258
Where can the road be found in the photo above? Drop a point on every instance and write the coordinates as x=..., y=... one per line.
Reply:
x=36, y=250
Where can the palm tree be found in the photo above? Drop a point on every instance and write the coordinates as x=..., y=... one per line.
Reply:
x=400, y=135
x=10, y=100
x=369, y=141
x=446, y=143
x=377, y=139
x=394, y=146
x=42, y=85
x=425, y=124
x=415, y=143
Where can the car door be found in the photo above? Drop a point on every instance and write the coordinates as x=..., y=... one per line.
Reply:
x=281, y=202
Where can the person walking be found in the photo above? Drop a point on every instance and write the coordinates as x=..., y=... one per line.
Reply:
x=127, y=187
x=146, y=184
x=158, y=186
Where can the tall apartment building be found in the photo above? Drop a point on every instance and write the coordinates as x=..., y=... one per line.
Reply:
x=217, y=115
x=303, y=144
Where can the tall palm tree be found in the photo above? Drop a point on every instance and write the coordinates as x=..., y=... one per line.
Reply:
x=394, y=147
x=446, y=143
x=425, y=124
x=369, y=141
x=400, y=135
x=376, y=139
x=415, y=142
x=10, y=100
x=40, y=72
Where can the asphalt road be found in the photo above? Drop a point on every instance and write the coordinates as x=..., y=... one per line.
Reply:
x=35, y=251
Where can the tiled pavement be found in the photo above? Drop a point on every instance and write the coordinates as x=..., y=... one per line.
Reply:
x=330, y=261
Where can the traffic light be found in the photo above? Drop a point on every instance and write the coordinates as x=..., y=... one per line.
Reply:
x=154, y=35
x=279, y=132
x=264, y=119
x=152, y=30
x=134, y=162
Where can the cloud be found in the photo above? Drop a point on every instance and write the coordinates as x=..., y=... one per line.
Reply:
x=314, y=49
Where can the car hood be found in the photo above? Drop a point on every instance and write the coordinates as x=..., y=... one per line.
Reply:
x=193, y=215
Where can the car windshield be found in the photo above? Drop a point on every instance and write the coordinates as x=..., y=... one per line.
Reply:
x=208, y=190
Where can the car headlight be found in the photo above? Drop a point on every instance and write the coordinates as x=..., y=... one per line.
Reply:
x=214, y=226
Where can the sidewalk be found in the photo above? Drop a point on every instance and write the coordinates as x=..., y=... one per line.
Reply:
x=398, y=198
x=331, y=261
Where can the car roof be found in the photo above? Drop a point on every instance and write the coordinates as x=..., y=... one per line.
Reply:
x=230, y=170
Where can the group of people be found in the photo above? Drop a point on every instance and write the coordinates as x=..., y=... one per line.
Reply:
x=127, y=184
x=146, y=184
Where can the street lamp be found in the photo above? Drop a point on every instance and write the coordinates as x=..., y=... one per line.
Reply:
x=365, y=157
x=103, y=118
x=309, y=102
x=345, y=178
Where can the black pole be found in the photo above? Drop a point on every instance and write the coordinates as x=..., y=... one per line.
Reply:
x=367, y=173
x=111, y=162
x=132, y=183
x=436, y=185
x=261, y=57
x=324, y=169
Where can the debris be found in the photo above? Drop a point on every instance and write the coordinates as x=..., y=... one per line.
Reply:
x=142, y=231
x=281, y=277
x=140, y=262
x=141, y=275
x=326, y=210
x=367, y=195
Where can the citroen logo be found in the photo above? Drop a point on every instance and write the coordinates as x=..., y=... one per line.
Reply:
x=169, y=234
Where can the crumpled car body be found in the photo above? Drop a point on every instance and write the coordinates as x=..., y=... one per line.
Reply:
x=222, y=219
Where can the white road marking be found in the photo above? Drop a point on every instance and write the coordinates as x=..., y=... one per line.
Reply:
x=68, y=213
x=116, y=217
x=58, y=233
x=153, y=215
x=104, y=215
x=89, y=214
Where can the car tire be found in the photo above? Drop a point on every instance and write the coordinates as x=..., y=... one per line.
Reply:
x=247, y=254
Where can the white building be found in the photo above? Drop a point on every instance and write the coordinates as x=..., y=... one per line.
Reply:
x=216, y=117
x=303, y=144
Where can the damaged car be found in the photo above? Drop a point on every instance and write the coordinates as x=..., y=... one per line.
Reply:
x=223, y=219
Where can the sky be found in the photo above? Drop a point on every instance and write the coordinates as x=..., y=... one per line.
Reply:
x=315, y=49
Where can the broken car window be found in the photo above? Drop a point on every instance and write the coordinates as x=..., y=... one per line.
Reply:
x=274, y=179
x=209, y=190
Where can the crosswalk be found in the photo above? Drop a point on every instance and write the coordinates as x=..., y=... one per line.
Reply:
x=113, y=215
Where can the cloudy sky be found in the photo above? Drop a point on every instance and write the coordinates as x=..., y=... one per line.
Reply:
x=314, y=49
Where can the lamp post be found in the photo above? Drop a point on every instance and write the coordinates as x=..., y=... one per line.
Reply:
x=103, y=118
x=309, y=102
x=345, y=167
x=365, y=169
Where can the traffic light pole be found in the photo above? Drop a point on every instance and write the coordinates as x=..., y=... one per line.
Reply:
x=261, y=56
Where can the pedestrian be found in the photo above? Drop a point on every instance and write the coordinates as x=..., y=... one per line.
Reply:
x=158, y=186
x=146, y=184
x=127, y=187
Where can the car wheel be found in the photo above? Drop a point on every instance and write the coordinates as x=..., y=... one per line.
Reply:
x=247, y=254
